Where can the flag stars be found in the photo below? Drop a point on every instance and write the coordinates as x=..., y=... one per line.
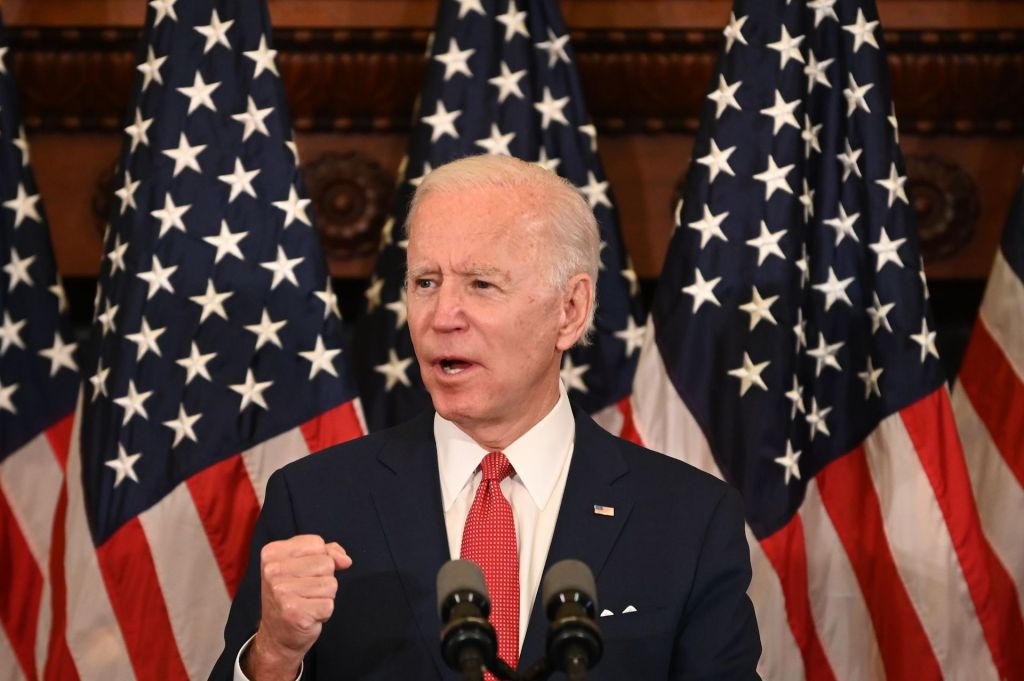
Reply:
x=834, y=289
x=240, y=180
x=185, y=155
x=138, y=131
x=467, y=6
x=702, y=290
x=24, y=206
x=158, y=277
x=283, y=268
x=759, y=308
x=195, y=364
x=215, y=32
x=767, y=243
x=796, y=396
x=146, y=340
x=809, y=135
x=788, y=48
x=373, y=293
x=251, y=391
x=320, y=359
x=849, y=158
x=266, y=331
x=774, y=178
x=816, y=419
x=330, y=300
x=263, y=58
x=843, y=225
x=790, y=463
x=749, y=374
x=709, y=226
x=725, y=96
x=170, y=215
x=555, y=48
x=99, y=381
x=226, y=242
x=126, y=193
x=514, y=21
x=926, y=339
x=183, y=426
x=887, y=250
x=632, y=336
x=717, y=161
x=107, y=318
x=573, y=376
x=150, y=69
x=551, y=109
x=123, y=466
x=10, y=333
x=401, y=310
x=17, y=270
x=394, y=371
x=823, y=9
x=816, y=72
x=807, y=201
x=547, y=163
x=733, y=32
x=497, y=143
x=6, y=393
x=855, y=96
x=591, y=132
x=455, y=60
x=294, y=208
x=781, y=113
x=164, y=8
x=894, y=184
x=800, y=330
x=596, y=192
x=442, y=122
x=870, y=377
x=825, y=354
x=21, y=141
x=116, y=255
x=863, y=31
x=212, y=302
x=133, y=403
x=200, y=93
x=508, y=83
x=879, y=314
x=253, y=119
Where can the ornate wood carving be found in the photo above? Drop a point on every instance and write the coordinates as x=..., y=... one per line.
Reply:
x=946, y=202
x=366, y=80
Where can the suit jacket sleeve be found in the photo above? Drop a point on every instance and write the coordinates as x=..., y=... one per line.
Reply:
x=275, y=522
x=718, y=638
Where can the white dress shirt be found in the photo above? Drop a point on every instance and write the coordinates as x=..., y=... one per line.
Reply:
x=540, y=462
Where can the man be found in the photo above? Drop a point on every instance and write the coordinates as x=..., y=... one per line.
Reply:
x=502, y=263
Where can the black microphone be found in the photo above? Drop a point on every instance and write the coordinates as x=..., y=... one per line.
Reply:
x=570, y=601
x=468, y=641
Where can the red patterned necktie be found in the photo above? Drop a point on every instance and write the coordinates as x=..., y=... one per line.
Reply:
x=489, y=540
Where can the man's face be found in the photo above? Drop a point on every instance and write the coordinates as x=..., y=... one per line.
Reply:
x=488, y=327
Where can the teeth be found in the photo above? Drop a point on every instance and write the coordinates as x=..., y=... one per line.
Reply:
x=450, y=370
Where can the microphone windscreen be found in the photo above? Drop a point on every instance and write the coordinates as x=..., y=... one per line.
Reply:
x=568, y=575
x=459, y=576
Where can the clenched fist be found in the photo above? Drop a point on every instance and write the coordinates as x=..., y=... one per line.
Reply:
x=297, y=597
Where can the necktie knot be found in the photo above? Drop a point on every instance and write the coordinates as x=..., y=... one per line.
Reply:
x=495, y=467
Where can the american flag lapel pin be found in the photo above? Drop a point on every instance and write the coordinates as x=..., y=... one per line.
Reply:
x=608, y=511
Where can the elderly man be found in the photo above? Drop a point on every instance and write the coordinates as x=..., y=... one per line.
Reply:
x=502, y=264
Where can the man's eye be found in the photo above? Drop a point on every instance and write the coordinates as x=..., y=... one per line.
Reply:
x=424, y=283
x=481, y=284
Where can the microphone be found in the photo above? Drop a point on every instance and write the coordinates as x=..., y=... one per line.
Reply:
x=468, y=641
x=570, y=600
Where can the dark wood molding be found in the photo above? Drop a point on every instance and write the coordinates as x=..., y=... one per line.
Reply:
x=950, y=82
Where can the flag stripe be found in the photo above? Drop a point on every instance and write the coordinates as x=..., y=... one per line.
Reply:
x=919, y=538
x=337, y=425
x=1001, y=311
x=929, y=423
x=59, y=436
x=19, y=607
x=1000, y=498
x=228, y=507
x=134, y=590
x=770, y=607
x=10, y=670
x=197, y=600
x=262, y=460
x=849, y=497
x=59, y=664
x=997, y=395
x=787, y=552
x=840, y=614
x=31, y=479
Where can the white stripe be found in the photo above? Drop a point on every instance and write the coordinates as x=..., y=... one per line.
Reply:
x=31, y=480
x=93, y=634
x=193, y=587
x=265, y=458
x=999, y=496
x=10, y=670
x=43, y=623
x=1002, y=310
x=840, y=613
x=924, y=554
x=357, y=404
x=610, y=418
x=666, y=425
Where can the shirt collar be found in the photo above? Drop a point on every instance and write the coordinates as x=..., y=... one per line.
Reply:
x=538, y=456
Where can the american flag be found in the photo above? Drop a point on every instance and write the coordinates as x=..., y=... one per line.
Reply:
x=792, y=353
x=38, y=386
x=988, y=402
x=501, y=80
x=215, y=355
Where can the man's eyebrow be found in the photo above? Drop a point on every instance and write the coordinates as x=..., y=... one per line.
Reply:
x=417, y=272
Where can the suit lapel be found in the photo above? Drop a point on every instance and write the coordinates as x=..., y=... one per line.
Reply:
x=597, y=475
x=407, y=496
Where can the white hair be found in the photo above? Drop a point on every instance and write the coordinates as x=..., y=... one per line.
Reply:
x=568, y=215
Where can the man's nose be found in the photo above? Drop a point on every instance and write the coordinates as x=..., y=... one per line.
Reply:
x=449, y=311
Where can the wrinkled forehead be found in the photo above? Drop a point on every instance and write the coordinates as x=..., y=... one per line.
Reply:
x=513, y=217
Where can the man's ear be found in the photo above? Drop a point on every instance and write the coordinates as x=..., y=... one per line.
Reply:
x=577, y=300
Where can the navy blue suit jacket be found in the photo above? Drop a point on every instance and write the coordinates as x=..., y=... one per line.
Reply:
x=674, y=550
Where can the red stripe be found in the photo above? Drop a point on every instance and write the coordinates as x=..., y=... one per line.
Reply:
x=933, y=432
x=629, y=431
x=134, y=590
x=997, y=395
x=59, y=435
x=787, y=553
x=59, y=664
x=332, y=427
x=849, y=496
x=227, y=506
x=21, y=588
